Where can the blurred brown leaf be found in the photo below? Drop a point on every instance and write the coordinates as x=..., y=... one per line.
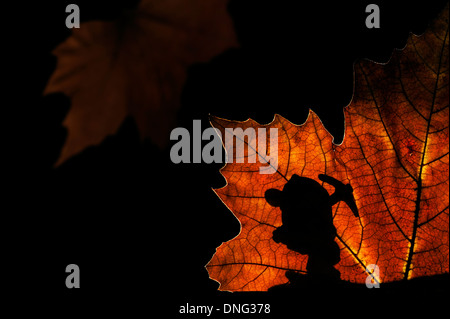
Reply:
x=135, y=66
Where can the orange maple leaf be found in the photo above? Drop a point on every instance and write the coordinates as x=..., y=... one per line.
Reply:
x=135, y=66
x=395, y=156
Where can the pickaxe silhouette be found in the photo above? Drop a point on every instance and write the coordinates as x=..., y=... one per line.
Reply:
x=342, y=192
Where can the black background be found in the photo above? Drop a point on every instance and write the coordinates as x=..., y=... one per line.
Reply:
x=140, y=228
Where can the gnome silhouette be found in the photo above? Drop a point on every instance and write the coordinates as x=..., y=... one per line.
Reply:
x=307, y=221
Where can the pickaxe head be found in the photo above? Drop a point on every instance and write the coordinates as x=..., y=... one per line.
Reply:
x=342, y=192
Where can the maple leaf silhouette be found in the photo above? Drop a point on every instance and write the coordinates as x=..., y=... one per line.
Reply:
x=395, y=156
x=135, y=66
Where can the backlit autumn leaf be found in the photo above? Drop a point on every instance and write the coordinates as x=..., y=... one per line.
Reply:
x=135, y=66
x=394, y=154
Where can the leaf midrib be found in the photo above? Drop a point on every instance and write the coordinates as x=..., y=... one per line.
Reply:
x=422, y=165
